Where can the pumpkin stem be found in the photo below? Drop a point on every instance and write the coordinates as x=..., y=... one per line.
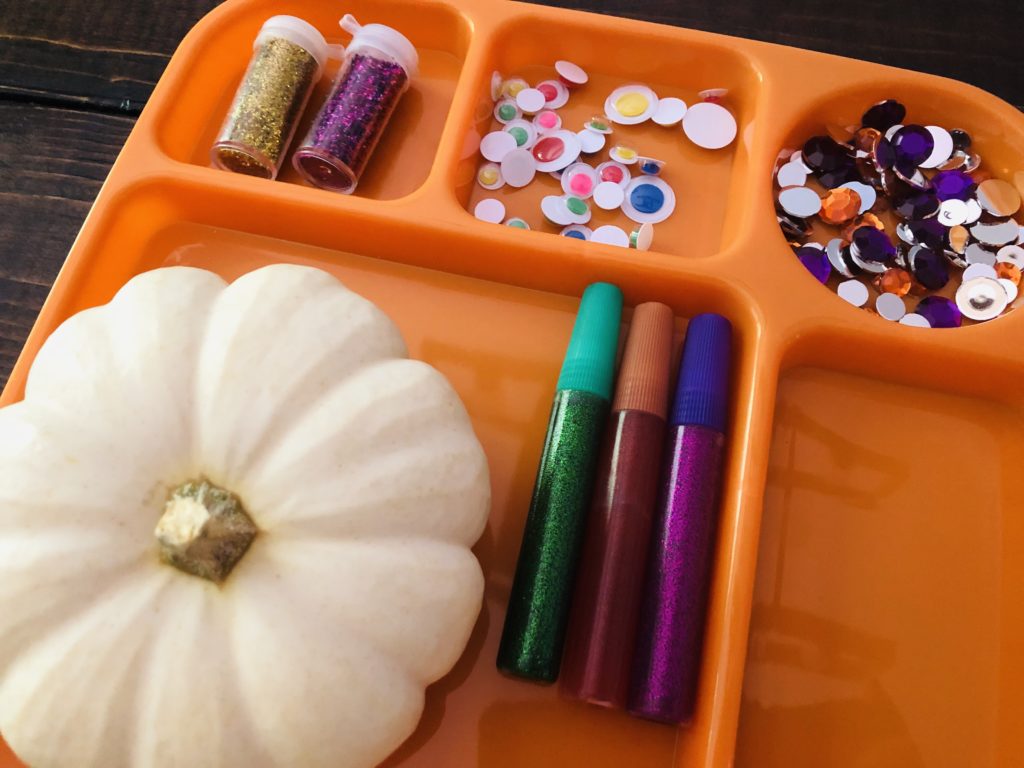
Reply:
x=204, y=530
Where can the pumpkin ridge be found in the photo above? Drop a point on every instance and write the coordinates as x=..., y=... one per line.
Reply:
x=77, y=647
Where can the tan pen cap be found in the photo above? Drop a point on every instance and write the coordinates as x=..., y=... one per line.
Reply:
x=646, y=362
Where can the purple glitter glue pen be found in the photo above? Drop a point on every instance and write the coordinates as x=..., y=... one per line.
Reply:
x=666, y=662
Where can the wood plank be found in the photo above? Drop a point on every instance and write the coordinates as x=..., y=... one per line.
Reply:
x=52, y=162
x=965, y=41
x=110, y=54
x=107, y=55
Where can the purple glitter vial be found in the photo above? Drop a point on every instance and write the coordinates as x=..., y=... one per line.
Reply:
x=670, y=637
x=378, y=66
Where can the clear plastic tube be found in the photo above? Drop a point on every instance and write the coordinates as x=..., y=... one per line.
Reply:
x=286, y=63
x=378, y=66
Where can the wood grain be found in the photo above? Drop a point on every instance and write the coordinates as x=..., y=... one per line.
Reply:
x=73, y=75
x=52, y=162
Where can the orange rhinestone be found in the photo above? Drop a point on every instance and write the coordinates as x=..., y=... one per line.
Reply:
x=839, y=205
x=894, y=280
x=958, y=237
x=865, y=139
x=1008, y=271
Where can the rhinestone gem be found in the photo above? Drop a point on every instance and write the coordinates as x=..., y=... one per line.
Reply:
x=939, y=311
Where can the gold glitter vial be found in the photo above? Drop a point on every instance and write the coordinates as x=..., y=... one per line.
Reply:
x=288, y=58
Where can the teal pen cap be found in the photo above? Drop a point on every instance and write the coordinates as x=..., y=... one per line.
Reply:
x=538, y=604
x=589, y=363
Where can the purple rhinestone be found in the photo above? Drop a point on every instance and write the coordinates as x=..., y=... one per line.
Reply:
x=915, y=205
x=873, y=244
x=884, y=115
x=953, y=185
x=823, y=154
x=816, y=261
x=884, y=156
x=929, y=232
x=939, y=311
x=913, y=144
x=929, y=267
x=961, y=139
x=838, y=177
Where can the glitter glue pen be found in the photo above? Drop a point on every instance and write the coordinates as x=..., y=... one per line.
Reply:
x=602, y=626
x=538, y=608
x=666, y=662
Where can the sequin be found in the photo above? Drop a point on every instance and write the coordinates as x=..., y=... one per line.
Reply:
x=942, y=147
x=519, y=167
x=495, y=145
x=890, y=306
x=980, y=269
x=608, y=195
x=530, y=100
x=958, y=238
x=996, y=233
x=670, y=111
x=572, y=75
x=1000, y=198
x=801, y=201
x=590, y=141
x=490, y=210
x=976, y=253
x=611, y=235
x=709, y=125
x=1011, y=254
x=792, y=174
x=853, y=291
x=981, y=298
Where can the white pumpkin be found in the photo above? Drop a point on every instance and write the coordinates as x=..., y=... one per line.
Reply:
x=358, y=467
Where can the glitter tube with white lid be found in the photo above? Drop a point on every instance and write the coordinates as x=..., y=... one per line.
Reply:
x=288, y=58
x=378, y=66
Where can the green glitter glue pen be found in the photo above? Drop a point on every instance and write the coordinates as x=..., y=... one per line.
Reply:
x=538, y=608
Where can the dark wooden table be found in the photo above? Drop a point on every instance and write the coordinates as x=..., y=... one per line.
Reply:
x=74, y=74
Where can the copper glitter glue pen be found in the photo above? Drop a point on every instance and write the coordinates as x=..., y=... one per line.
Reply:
x=538, y=606
x=666, y=663
x=603, y=620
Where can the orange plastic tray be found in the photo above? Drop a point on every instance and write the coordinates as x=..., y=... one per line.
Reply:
x=868, y=597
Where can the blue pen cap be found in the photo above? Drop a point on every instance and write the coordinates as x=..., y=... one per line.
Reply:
x=702, y=393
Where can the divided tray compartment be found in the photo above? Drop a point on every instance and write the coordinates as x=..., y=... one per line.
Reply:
x=886, y=435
